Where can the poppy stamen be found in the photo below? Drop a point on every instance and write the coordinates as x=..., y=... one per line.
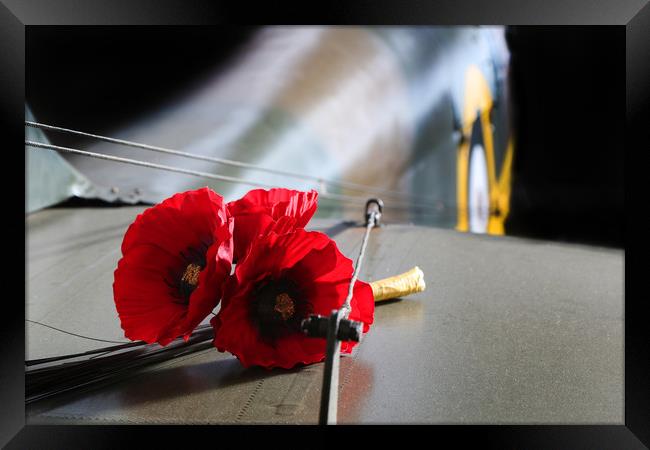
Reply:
x=284, y=306
x=191, y=274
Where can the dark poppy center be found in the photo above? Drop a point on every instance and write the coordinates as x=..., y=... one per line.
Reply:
x=189, y=280
x=277, y=308
x=184, y=278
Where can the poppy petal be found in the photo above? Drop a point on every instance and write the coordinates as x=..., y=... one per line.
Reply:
x=255, y=213
x=190, y=228
x=322, y=274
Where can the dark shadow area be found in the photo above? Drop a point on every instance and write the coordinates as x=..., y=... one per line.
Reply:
x=79, y=202
x=568, y=91
x=147, y=385
x=118, y=71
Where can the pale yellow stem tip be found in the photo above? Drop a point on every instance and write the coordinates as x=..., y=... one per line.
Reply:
x=399, y=285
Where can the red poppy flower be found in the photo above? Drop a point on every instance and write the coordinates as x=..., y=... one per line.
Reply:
x=176, y=257
x=260, y=209
x=284, y=279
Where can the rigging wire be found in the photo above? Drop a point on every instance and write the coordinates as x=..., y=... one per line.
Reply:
x=75, y=334
x=345, y=308
x=233, y=163
x=325, y=195
x=146, y=164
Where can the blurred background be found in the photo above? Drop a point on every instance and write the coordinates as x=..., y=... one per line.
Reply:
x=499, y=130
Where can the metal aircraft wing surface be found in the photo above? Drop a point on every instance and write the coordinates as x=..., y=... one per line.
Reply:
x=509, y=330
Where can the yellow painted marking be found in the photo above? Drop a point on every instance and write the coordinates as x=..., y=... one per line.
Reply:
x=462, y=174
x=478, y=99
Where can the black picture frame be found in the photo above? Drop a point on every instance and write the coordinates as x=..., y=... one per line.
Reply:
x=634, y=15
